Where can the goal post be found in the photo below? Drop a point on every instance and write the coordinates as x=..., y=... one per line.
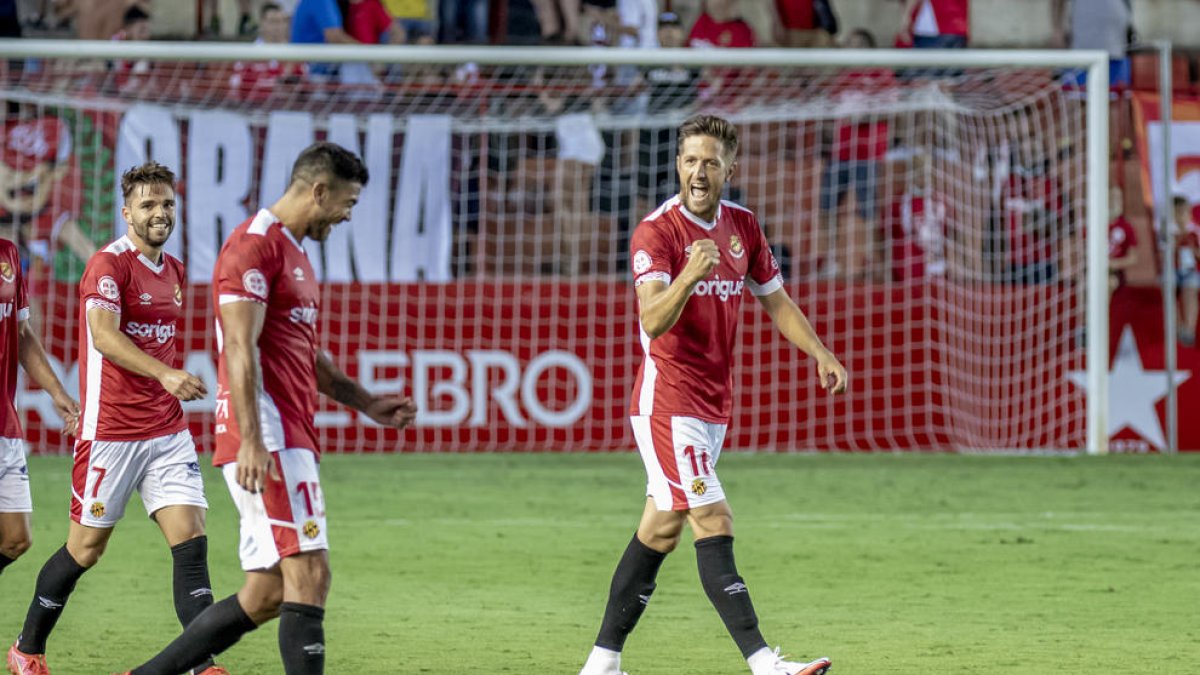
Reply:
x=940, y=215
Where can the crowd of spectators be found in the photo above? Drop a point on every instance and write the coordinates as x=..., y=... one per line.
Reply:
x=612, y=171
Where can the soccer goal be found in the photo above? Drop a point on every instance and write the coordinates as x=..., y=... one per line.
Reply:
x=940, y=216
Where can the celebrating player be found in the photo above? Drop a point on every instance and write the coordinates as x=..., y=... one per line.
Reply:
x=269, y=374
x=692, y=257
x=19, y=343
x=132, y=432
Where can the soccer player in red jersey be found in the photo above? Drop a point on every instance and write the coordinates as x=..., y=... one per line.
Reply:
x=692, y=258
x=19, y=344
x=269, y=374
x=132, y=433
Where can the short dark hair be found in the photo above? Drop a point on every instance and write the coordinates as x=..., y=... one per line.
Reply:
x=150, y=173
x=268, y=7
x=709, y=125
x=135, y=14
x=1180, y=201
x=325, y=158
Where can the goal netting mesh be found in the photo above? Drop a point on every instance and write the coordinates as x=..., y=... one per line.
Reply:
x=929, y=221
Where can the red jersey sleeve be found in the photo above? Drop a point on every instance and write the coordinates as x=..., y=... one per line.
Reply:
x=653, y=258
x=102, y=284
x=762, y=276
x=246, y=270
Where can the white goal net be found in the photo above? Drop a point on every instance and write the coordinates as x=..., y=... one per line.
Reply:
x=929, y=218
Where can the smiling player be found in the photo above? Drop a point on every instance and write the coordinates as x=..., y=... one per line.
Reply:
x=692, y=258
x=132, y=433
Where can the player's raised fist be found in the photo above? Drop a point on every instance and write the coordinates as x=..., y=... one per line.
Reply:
x=183, y=385
x=702, y=259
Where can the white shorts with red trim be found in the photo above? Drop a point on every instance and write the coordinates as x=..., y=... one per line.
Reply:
x=680, y=454
x=164, y=470
x=14, y=477
x=287, y=517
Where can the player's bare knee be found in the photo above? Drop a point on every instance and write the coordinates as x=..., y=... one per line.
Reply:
x=662, y=536
x=711, y=523
x=15, y=544
x=261, y=602
x=306, y=578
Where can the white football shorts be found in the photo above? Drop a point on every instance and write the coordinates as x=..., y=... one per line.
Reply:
x=164, y=470
x=680, y=454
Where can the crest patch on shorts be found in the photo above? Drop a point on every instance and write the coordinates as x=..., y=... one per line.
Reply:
x=311, y=529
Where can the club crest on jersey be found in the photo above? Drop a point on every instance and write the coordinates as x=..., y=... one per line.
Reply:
x=735, y=246
x=311, y=529
x=298, y=274
x=699, y=487
x=107, y=287
x=641, y=262
x=255, y=283
x=97, y=509
x=6, y=273
x=178, y=296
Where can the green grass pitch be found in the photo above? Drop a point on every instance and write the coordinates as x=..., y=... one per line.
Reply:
x=888, y=564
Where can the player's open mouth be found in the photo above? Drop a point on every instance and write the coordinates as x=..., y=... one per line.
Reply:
x=25, y=190
x=699, y=191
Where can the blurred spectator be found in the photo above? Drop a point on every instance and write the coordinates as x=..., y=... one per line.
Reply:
x=319, y=22
x=10, y=23
x=210, y=18
x=669, y=89
x=935, y=24
x=1187, y=251
x=1095, y=24
x=417, y=17
x=40, y=191
x=559, y=20
x=368, y=22
x=858, y=145
x=133, y=75
x=1032, y=209
x=720, y=26
x=804, y=23
x=917, y=226
x=135, y=26
x=637, y=23
x=524, y=23
x=1121, y=241
x=101, y=19
x=462, y=21
x=255, y=80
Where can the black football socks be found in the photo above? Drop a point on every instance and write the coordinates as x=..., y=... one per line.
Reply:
x=54, y=585
x=216, y=629
x=193, y=591
x=632, y=586
x=728, y=593
x=302, y=638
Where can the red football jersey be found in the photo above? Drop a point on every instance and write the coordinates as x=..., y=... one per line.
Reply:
x=687, y=370
x=1121, y=237
x=14, y=308
x=262, y=262
x=117, y=405
x=709, y=33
